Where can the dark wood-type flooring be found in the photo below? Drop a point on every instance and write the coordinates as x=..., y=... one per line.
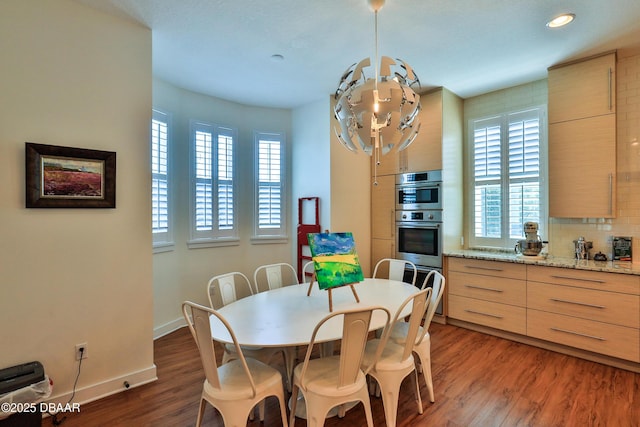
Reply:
x=479, y=380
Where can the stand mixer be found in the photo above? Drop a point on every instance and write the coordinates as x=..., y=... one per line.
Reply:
x=532, y=244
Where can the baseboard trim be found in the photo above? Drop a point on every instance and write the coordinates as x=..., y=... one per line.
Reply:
x=169, y=327
x=107, y=388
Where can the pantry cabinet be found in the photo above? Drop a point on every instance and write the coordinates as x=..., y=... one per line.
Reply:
x=582, y=138
x=383, y=219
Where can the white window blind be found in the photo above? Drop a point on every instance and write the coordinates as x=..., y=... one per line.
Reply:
x=507, y=177
x=160, y=208
x=270, y=185
x=213, y=206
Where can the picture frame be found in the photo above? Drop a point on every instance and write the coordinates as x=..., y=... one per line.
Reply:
x=68, y=177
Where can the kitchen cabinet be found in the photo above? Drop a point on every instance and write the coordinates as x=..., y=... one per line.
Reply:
x=487, y=293
x=582, y=139
x=383, y=219
x=425, y=153
x=593, y=311
x=584, y=88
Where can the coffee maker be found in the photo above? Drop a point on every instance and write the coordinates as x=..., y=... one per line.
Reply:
x=582, y=248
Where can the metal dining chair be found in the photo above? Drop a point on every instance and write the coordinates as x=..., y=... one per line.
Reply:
x=396, y=269
x=392, y=362
x=226, y=288
x=422, y=346
x=331, y=381
x=274, y=276
x=236, y=387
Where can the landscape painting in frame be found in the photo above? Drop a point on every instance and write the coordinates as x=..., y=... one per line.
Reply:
x=69, y=177
x=335, y=259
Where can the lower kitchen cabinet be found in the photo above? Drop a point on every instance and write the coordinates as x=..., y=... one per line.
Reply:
x=487, y=313
x=591, y=335
x=593, y=311
x=488, y=293
x=597, y=314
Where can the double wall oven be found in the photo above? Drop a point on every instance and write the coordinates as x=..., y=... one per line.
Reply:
x=419, y=222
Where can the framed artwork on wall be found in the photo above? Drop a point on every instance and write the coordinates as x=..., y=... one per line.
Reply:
x=67, y=177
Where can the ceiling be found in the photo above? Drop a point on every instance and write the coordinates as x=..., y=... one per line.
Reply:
x=224, y=48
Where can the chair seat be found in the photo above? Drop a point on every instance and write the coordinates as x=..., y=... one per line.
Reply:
x=399, y=332
x=390, y=358
x=321, y=377
x=236, y=385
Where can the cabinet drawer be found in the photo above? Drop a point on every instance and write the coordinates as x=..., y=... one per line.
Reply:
x=488, y=288
x=488, y=268
x=499, y=316
x=607, y=307
x=613, y=282
x=612, y=340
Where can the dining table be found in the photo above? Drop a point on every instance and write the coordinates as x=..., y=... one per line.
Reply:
x=287, y=316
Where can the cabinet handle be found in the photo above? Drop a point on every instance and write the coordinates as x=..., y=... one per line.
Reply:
x=483, y=268
x=610, y=91
x=578, y=334
x=484, y=289
x=577, y=303
x=575, y=278
x=484, y=314
x=610, y=194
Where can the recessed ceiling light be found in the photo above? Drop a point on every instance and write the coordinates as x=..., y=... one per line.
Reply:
x=561, y=20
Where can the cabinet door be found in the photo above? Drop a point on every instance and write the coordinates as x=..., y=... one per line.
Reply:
x=388, y=164
x=582, y=165
x=582, y=89
x=425, y=153
x=383, y=208
x=381, y=248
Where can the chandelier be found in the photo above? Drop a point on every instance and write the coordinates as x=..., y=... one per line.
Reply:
x=381, y=113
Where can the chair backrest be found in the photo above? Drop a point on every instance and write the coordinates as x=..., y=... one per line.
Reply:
x=198, y=318
x=275, y=276
x=436, y=297
x=396, y=269
x=308, y=272
x=420, y=301
x=225, y=287
x=355, y=332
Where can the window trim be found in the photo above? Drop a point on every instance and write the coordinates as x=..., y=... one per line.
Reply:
x=163, y=241
x=270, y=235
x=214, y=237
x=505, y=242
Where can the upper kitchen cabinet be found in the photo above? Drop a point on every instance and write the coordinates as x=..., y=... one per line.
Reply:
x=582, y=89
x=582, y=139
x=425, y=153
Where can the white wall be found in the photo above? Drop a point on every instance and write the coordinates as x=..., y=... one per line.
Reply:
x=311, y=164
x=76, y=77
x=183, y=273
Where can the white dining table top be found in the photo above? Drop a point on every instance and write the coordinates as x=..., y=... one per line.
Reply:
x=287, y=316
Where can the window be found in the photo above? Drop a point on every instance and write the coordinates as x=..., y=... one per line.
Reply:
x=270, y=192
x=213, y=216
x=160, y=194
x=508, y=164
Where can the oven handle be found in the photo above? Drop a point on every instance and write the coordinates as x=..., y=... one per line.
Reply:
x=419, y=224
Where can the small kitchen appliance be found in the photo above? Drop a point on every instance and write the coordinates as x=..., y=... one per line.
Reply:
x=532, y=244
x=582, y=248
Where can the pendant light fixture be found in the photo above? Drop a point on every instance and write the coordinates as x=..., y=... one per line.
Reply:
x=378, y=113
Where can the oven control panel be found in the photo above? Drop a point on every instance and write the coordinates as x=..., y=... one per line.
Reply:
x=419, y=216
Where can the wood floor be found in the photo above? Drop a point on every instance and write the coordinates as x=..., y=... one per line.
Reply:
x=479, y=380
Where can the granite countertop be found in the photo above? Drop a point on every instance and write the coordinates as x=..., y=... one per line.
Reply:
x=623, y=267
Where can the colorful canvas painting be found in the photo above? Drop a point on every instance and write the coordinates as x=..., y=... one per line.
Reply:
x=335, y=259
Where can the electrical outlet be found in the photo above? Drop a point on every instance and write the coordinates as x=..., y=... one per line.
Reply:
x=81, y=351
